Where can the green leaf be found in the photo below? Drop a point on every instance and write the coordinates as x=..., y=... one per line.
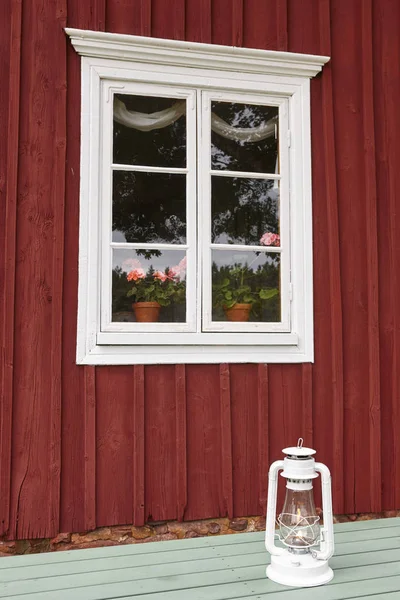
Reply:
x=229, y=303
x=268, y=294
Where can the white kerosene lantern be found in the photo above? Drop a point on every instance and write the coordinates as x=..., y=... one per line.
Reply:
x=303, y=561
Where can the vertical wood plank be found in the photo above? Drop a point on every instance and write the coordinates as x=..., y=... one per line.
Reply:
x=90, y=447
x=386, y=92
x=203, y=442
x=138, y=447
x=372, y=257
x=78, y=493
x=160, y=442
x=281, y=25
x=168, y=19
x=260, y=28
x=10, y=179
x=237, y=23
x=332, y=237
x=226, y=439
x=198, y=20
x=307, y=405
x=58, y=193
x=39, y=252
x=245, y=449
x=263, y=435
x=145, y=17
x=181, y=441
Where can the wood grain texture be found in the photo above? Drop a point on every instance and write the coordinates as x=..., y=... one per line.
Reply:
x=90, y=447
x=374, y=404
x=138, y=457
x=263, y=437
x=181, y=441
x=226, y=440
x=10, y=25
x=330, y=371
x=160, y=442
x=78, y=491
x=386, y=89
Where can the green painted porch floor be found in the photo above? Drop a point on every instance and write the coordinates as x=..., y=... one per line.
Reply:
x=366, y=565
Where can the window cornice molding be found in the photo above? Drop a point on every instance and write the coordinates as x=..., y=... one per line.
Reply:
x=134, y=48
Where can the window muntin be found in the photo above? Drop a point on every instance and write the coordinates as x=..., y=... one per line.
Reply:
x=148, y=208
x=253, y=253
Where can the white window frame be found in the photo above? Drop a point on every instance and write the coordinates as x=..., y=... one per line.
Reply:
x=117, y=63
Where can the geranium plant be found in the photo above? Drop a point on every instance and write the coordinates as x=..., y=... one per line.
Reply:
x=240, y=285
x=163, y=287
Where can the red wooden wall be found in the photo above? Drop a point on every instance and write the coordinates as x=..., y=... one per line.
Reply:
x=82, y=447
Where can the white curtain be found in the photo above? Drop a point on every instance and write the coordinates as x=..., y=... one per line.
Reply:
x=163, y=118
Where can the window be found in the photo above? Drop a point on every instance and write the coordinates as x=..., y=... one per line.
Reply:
x=195, y=209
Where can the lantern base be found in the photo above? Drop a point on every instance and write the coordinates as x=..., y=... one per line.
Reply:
x=299, y=570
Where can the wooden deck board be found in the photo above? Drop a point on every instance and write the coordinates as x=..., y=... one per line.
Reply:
x=366, y=565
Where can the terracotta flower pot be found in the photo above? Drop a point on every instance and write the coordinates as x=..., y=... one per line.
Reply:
x=146, y=312
x=238, y=312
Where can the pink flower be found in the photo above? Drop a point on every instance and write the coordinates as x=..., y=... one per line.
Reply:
x=160, y=275
x=270, y=239
x=182, y=265
x=174, y=272
x=131, y=263
x=136, y=274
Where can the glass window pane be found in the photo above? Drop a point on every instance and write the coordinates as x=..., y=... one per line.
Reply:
x=161, y=139
x=246, y=286
x=244, y=210
x=244, y=137
x=149, y=207
x=149, y=276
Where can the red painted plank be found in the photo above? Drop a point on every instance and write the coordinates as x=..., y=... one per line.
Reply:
x=328, y=381
x=58, y=193
x=181, y=442
x=36, y=451
x=125, y=16
x=77, y=500
x=302, y=23
x=263, y=435
x=349, y=131
x=372, y=257
x=168, y=19
x=138, y=458
x=226, y=440
x=10, y=107
x=204, y=444
x=386, y=92
x=307, y=403
x=160, y=443
x=222, y=22
x=116, y=436
x=244, y=391
x=260, y=24
x=90, y=447
x=237, y=23
x=281, y=25
x=198, y=20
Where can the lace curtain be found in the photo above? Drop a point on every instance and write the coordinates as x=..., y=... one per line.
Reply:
x=163, y=118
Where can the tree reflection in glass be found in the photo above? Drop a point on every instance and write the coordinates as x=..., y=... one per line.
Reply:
x=246, y=277
x=241, y=154
x=149, y=207
x=243, y=210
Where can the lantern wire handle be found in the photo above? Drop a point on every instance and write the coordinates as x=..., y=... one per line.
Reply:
x=300, y=443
